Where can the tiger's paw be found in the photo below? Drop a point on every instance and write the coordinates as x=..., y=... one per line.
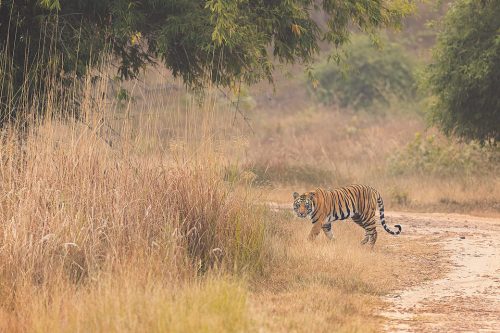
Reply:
x=311, y=238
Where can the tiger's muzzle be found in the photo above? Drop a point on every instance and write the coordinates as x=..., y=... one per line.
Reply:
x=301, y=214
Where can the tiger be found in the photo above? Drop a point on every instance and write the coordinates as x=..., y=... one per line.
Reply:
x=358, y=202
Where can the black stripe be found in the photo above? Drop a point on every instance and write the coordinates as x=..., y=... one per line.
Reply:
x=340, y=207
x=351, y=197
x=346, y=203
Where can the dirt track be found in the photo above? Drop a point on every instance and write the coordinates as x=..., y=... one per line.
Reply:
x=467, y=298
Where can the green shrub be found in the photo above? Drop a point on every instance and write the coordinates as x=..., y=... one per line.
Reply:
x=372, y=77
x=465, y=72
x=400, y=196
x=428, y=155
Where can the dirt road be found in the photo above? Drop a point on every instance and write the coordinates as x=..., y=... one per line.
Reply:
x=462, y=294
x=467, y=298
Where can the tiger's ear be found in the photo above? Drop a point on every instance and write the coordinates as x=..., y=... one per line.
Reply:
x=295, y=195
x=312, y=195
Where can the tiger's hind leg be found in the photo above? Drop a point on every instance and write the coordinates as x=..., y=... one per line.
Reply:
x=370, y=232
x=360, y=221
x=365, y=240
x=373, y=238
x=369, y=224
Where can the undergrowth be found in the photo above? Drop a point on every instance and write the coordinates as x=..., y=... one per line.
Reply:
x=443, y=157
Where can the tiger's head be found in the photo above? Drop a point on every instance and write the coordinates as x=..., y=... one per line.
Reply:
x=303, y=204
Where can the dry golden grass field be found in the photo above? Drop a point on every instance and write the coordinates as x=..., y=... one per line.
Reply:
x=139, y=206
x=161, y=214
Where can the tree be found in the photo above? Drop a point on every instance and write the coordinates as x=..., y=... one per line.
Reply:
x=464, y=75
x=222, y=41
x=375, y=76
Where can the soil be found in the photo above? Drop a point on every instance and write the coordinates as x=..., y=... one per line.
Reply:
x=462, y=293
x=467, y=298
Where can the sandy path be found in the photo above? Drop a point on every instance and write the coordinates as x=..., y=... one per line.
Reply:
x=467, y=299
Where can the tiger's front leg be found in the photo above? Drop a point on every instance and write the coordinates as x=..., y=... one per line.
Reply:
x=327, y=229
x=316, y=229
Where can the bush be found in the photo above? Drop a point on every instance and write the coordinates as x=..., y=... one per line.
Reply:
x=400, y=196
x=374, y=77
x=443, y=158
x=465, y=72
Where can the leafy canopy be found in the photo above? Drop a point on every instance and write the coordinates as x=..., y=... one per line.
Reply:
x=465, y=73
x=220, y=40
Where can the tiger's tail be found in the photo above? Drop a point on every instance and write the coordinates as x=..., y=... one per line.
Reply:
x=382, y=218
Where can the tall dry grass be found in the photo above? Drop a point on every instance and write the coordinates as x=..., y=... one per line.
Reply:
x=133, y=303
x=113, y=221
x=325, y=286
